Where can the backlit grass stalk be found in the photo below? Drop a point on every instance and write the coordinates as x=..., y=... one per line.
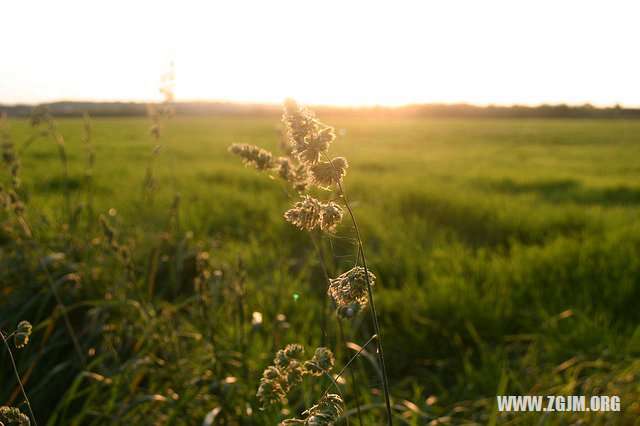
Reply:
x=13, y=203
x=297, y=175
x=40, y=115
x=374, y=315
x=61, y=307
x=159, y=114
x=23, y=332
x=354, y=383
x=308, y=141
x=91, y=161
x=311, y=140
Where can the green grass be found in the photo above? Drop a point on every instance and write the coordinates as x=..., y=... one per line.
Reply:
x=503, y=249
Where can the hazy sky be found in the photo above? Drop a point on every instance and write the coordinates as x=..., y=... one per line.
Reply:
x=323, y=52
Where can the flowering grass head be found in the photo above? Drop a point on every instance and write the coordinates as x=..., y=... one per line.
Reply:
x=293, y=172
x=326, y=412
x=22, y=333
x=159, y=114
x=13, y=415
x=327, y=174
x=311, y=213
x=321, y=362
x=309, y=137
x=288, y=371
x=9, y=153
x=252, y=155
x=350, y=292
x=304, y=142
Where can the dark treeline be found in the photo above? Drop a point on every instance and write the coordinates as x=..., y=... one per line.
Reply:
x=120, y=109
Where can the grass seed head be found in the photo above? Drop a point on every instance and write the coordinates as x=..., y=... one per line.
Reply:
x=350, y=291
x=296, y=174
x=289, y=353
x=159, y=114
x=309, y=137
x=311, y=213
x=107, y=229
x=305, y=214
x=288, y=371
x=253, y=155
x=22, y=333
x=270, y=392
x=322, y=361
x=277, y=380
x=326, y=174
x=39, y=115
x=9, y=153
x=326, y=412
x=13, y=415
x=331, y=216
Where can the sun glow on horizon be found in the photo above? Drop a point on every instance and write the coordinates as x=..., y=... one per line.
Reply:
x=343, y=53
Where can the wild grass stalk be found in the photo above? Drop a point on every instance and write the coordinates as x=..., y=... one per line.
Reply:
x=41, y=116
x=374, y=315
x=60, y=304
x=343, y=338
x=21, y=335
x=309, y=140
x=159, y=114
x=13, y=203
x=91, y=161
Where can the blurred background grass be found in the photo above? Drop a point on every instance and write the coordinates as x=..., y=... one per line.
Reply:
x=507, y=254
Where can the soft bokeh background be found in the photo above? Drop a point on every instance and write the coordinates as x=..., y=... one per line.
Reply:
x=507, y=249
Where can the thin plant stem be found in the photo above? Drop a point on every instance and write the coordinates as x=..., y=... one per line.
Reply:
x=59, y=140
x=90, y=156
x=356, y=392
x=335, y=379
x=346, y=415
x=61, y=306
x=15, y=370
x=374, y=315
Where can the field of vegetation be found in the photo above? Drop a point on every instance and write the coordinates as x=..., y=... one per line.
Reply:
x=507, y=256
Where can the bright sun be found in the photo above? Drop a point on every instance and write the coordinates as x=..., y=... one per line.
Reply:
x=332, y=52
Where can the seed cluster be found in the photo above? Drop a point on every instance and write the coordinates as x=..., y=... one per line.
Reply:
x=159, y=114
x=13, y=415
x=288, y=370
x=322, y=361
x=293, y=172
x=252, y=155
x=287, y=168
x=308, y=135
x=350, y=291
x=22, y=333
x=311, y=213
x=9, y=153
x=327, y=174
x=326, y=412
x=304, y=142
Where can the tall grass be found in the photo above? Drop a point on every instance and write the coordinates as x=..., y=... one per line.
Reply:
x=305, y=145
x=507, y=253
x=21, y=338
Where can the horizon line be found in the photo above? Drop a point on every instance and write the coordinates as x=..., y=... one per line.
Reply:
x=323, y=105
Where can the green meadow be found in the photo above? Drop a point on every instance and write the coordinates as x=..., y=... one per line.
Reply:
x=507, y=254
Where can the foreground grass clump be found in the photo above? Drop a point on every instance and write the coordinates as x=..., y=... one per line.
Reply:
x=306, y=145
x=507, y=251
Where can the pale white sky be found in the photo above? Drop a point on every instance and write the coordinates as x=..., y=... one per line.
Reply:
x=323, y=52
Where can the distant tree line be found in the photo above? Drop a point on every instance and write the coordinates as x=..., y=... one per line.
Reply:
x=123, y=109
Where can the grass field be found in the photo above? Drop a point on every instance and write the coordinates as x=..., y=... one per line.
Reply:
x=507, y=254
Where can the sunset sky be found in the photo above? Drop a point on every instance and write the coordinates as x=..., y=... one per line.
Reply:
x=328, y=52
